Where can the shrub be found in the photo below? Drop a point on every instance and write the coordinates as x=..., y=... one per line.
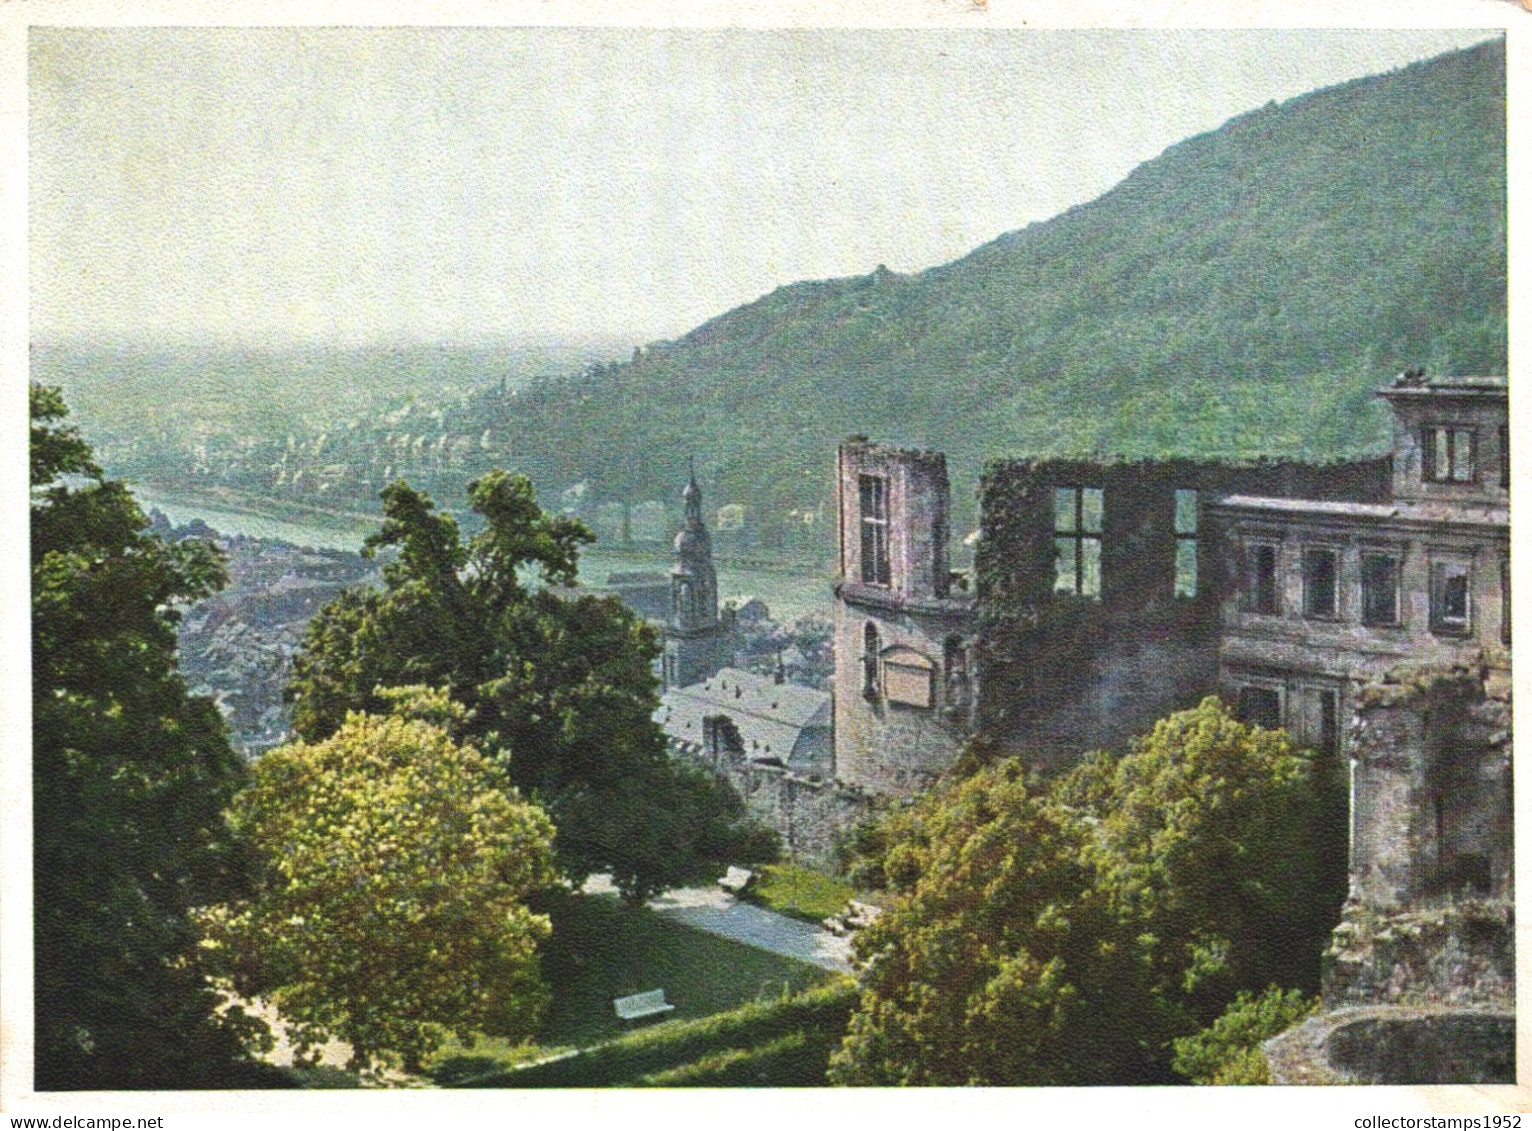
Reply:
x=1229, y=1050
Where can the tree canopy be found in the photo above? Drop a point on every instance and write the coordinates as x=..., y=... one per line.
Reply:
x=395, y=864
x=558, y=686
x=1211, y=837
x=1069, y=934
x=1229, y=1050
x=130, y=779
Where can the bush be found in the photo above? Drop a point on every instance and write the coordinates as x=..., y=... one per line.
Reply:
x=783, y=1043
x=1229, y=1050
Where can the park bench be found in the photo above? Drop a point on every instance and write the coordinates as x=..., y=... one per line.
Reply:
x=859, y=915
x=646, y=1004
x=736, y=880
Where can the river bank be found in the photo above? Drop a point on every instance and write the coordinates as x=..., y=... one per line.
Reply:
x=791, y=595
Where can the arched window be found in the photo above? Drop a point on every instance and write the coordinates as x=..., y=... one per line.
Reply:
x=871, y=646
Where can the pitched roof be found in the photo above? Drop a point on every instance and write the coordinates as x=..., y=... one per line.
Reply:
x=771, y=717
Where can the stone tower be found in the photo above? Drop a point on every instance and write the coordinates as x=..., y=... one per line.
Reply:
x=905, y=670
x=696, y=639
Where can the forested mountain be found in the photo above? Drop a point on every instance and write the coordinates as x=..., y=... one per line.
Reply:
x=1239, y=295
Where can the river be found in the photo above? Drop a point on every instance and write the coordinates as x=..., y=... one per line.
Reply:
x=789, y=595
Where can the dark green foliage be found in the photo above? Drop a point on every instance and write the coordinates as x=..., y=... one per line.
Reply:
x=1229, y=1050
x=559, y=687
x=785, y=1043
x=997, y=963
x=1239, y=295
x=1068, y=935
x=1207, y=837
x=130, y=779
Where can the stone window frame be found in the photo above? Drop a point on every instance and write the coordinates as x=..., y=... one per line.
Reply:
x=1439, y=562
x=1327, y=691
x=1078, y=535
x=1275, y=687
x=1250, y=542
x=957, y=689
x=872, y=650
x=1430, y=469
x=1333, y=743
x=1399, y=553
x=1337, y=554
x=874, y=508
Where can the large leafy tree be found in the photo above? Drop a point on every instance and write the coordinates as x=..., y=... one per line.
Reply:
x=391, y=904
x=1211, y=839
x=1070, y=935
x=130, y=779
x=996, y=963
x=559, y=687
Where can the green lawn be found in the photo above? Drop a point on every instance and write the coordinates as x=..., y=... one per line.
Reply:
x=800, y=892
x=785, y=1043
x=600, y=950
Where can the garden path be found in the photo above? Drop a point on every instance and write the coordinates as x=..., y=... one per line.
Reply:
x=718, y=913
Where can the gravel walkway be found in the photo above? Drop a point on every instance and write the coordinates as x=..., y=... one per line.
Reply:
x=718, y=913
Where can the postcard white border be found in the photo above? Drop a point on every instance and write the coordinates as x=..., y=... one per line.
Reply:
x=998, y=1108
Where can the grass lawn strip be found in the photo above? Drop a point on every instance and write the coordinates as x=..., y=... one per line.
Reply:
x=601, y=950
x=783, y=1043
x=802, y=893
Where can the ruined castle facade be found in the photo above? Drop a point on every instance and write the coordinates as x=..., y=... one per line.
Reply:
x=1363, y=606
x=1108, y=594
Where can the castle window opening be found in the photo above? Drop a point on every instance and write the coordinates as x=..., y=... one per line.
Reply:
x=955, y=665
x=1260, y=706
x=1186, y=543
x=871, y=646
x=1329, y=720
x=1077, y=515
x=1380, y=590
x=1450, y=611
x=1319, y=589
x=1261, y=579
x=1505, y=456
x=1449, y=455
x=873, y=492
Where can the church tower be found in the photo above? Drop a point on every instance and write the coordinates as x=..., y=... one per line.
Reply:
x=696, y=640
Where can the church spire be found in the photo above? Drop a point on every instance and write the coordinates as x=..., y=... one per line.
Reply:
x=696, y=640
x=691, y=495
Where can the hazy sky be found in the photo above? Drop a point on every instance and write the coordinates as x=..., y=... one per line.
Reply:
x=416, y=185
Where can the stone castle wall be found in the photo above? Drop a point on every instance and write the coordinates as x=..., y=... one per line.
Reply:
x=812, y=817
x=1431, y=785
x=889, y=747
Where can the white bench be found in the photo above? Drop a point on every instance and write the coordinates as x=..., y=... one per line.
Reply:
x=646, y=1004
x=736, y=880
x=860, y=915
